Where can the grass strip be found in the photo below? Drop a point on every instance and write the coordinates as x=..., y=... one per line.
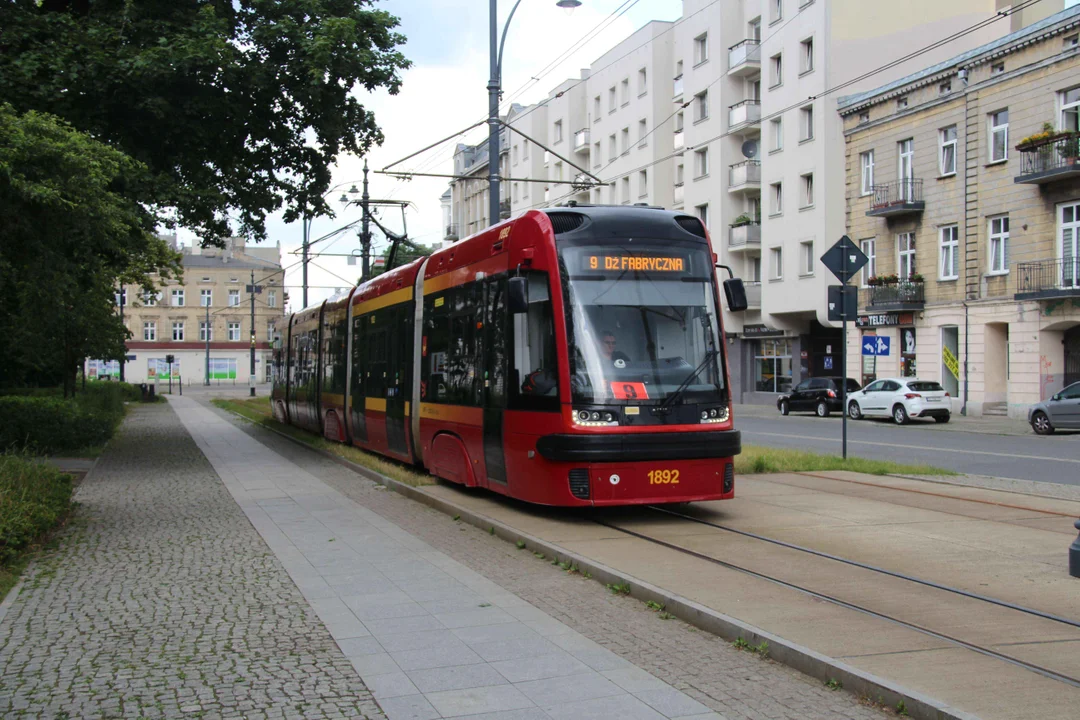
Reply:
x=257, y=410
x=756, y=459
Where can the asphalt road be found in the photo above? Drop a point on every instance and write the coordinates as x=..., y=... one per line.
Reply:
x=1055, y=458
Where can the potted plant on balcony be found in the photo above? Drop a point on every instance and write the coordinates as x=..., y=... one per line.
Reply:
x=742, y=220
x=1069, y=148
x=916, y=278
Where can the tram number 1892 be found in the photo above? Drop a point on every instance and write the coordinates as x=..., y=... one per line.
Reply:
x=663, y=477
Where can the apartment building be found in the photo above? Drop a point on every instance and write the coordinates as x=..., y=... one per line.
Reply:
x=527, y=158
x=210, y=299
x=963, y=186
x=469, y=193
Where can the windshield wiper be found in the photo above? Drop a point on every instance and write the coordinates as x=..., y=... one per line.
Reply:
x=665, y=406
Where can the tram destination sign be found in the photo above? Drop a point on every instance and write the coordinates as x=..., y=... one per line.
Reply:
x=618, y=262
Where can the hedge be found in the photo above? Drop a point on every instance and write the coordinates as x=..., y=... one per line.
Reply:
x=34, y=498
x=41, y=423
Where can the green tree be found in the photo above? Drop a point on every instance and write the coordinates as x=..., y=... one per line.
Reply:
x=71, y=234
x=407, y=252
x=234, y=106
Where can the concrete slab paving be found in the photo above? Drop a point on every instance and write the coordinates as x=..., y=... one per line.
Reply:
x=429, y=636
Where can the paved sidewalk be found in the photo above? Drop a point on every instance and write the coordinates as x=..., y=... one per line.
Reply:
x=431, y=637
x=161, y=600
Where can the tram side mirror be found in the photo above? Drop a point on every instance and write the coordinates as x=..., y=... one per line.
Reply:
x=518, y=295
x=735, y=292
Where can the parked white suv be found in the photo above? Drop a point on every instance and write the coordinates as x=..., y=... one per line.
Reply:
x=901, y=399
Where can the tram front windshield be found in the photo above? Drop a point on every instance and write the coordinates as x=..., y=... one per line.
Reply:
x=642, y=323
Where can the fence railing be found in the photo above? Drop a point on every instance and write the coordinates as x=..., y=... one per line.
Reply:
x=1059, y=153
x=898, y=192
x=899, y=292
x=748, y=172
x=747, y=51
x=1042, y=276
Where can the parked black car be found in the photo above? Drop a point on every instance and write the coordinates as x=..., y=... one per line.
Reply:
x=820, y=395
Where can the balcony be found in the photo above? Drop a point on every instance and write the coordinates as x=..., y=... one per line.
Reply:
x=1049, y=160
x=744, y=237
x=451, y=232
x=1048, y=279
x=744, y=116
x=680, y=140
x=678, y=194
x=581, y=141
x=753, y=294
x=901, y=197
x=896, y=294
x=678, y=87
x=745, y=176
x=504, y=209
x=744, y=58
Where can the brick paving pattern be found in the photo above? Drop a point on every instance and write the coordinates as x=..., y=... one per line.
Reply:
x=734, y=683
x=161, y=600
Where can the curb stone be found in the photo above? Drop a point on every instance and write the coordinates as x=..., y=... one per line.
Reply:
x=798, y=657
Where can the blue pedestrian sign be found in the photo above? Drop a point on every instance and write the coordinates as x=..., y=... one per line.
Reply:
x=828, y=362
x=875, y=345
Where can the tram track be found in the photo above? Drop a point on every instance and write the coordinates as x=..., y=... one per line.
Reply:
x=854, y=604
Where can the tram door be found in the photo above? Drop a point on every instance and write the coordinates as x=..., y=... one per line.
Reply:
x=357, y=386
x=495, y=354
x=398, y=339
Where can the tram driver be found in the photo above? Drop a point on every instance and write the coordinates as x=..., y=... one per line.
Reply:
x=608, y=343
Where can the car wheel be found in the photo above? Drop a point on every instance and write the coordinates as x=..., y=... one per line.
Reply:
x=899, y=415
x=822, y=409
x=942, y=418
x=854, y=411
x=1040, y=423
x=784, y=407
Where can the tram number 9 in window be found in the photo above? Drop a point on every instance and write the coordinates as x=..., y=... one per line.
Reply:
x=663, y=477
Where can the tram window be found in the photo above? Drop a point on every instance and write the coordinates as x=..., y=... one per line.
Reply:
x=534, y=383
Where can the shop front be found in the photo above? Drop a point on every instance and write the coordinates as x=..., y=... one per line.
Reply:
x=770, y=360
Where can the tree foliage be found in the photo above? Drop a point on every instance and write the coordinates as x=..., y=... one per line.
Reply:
x=233, y=106
x=71, y=233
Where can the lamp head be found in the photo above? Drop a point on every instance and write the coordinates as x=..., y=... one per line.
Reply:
x=353, y=190
x=568, y=5
x=344, y=199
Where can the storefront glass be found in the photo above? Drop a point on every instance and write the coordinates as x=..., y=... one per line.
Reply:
x=907, y=352
x=772, y=363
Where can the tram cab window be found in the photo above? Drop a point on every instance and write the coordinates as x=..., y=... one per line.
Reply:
x=535, y=381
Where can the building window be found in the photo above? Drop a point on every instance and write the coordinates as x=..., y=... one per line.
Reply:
x=596, y=156
x=999, y=245
x=625, y=85
x=777, y=7
x=680, y=174
x=807, y=55
x=643, y=183
x=999, y=136
x=772, y=366
x=121, y=297
x=524, y=149
x=869, y=248
x=234, y=331
x=514, y=154
x=701, y=163
x=596, y=108
x=270, y=327
x=625, y=140
x=808, y=190
x=950, y=253
x=777, y=63
x=642, y=81
x=680, y=122
x=234, y=298
x=776, y=257
x=613, y=100
x=901, y=102
x=807, y=250
x=701, y=48
x=866, y=163
x=178, y=331
x=1071, y=41
x=948, y=150
x=905, y=243
x=777, y=198
x=1070, y=110
x=271, y=298
x=206, y=298
x=777, y=125
x=944, y=88
x=997, y=68
x=177, y=297
x=864, y=117
x=557, y=132
x=206, y=331
x=642, y=132
x=613, y=148
x=149, y=331
x=701, y=106
x=625, y=190
x=807, y=122
x=703, y=213
x=149, y=299
x=905, y=167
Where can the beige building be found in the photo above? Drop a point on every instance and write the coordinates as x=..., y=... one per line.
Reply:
x=963, y=187
x=213, y=298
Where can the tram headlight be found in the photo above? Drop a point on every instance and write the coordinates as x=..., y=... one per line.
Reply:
x=595, y=418
x=717, y=414
x=704, y=414
x=582, y=414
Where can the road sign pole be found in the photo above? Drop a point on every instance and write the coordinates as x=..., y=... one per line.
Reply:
x=844, y=260
x=843, y=368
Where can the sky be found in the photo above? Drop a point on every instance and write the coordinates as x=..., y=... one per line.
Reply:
x=444, y=92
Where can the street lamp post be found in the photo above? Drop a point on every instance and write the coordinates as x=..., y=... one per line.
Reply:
x=494, y=90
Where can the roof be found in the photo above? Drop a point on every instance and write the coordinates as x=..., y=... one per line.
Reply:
x=235, y=262
x=849, y=101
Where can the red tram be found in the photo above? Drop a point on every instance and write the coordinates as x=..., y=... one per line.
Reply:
x=572, y=356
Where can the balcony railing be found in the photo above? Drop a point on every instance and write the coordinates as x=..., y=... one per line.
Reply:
x=678, y=194
x=744, y=57
x=680, y=140
x=1048, y=279
x=745, y=175
x=1050, y=160
x=748, y=112
x=678, y=86
x=900, y=197
x=743, y=237
x=753, y=294
x=581, y=140
x=452, y=231
x=897, y=295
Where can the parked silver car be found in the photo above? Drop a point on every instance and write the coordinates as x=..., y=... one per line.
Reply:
x=1062, y=411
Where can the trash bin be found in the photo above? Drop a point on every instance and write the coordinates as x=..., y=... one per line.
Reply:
x=144, y=389
x=151, y=387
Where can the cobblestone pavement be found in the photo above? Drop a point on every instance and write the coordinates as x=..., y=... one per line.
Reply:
x=161, y=600
x=735, y=683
